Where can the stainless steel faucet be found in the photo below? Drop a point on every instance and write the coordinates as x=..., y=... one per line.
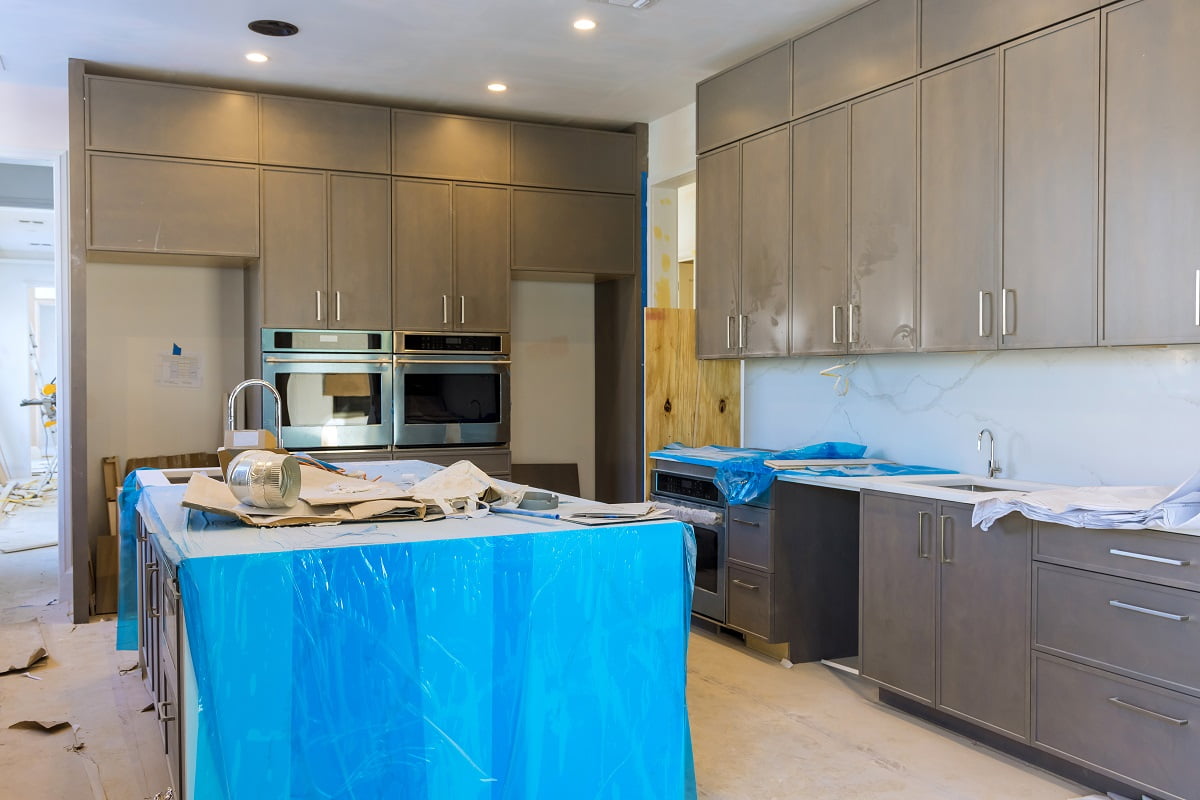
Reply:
x=993, y=467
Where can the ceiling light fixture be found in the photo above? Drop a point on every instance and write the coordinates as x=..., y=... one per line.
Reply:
x=257, y=58
x=273, y=27
x=497, y=87
x=585, y=24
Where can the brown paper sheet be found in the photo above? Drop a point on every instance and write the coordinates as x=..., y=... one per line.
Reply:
x=21, y=646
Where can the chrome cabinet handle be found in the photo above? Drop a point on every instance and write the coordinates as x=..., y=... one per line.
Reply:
x=337, y=306
x=742, y=333
x=1152, y=714
x=162, y=711
x=462, y=315
x=1005, y=330
x=982, y=295
x=942, y=540
x=1152, y=612
x=1174, y=562
x=836, y=340
x=445, y=310
x=728, y=335
x=851, y=312
x=318, y=305
x=1196, y=318
x=745, y=585
x=921, y=517
x=745, y=522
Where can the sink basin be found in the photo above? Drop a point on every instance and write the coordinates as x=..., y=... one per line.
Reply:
x=971, y=487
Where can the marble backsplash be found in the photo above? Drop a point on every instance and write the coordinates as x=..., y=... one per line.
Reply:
x=1092, y=416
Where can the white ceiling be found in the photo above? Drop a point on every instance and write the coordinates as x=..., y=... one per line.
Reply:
x=635, y=67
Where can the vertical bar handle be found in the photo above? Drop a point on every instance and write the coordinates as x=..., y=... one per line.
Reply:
x=337, y=305
x=318, y=305
x=728, y=335
x=850, y=314
x=445, y=310
x=1004, y=327
x=942, y=540
x=985, y=304
x=462, y=313
x=921, y=517
x=742, y=333
x=836, y=340
x=1196, y=318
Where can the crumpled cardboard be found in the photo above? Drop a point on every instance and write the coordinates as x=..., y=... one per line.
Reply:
x=463, y=489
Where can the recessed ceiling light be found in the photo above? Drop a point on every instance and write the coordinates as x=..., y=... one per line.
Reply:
x=273, y=27
x=585, y=24
x=497, y=87
x=257, y=58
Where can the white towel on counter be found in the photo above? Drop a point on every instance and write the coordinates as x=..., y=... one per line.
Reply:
x=1128, y=507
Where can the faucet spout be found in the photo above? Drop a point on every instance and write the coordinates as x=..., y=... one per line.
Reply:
x=993, y=467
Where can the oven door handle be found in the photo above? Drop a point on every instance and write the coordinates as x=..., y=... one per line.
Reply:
x=503, y=361
x=276, y=360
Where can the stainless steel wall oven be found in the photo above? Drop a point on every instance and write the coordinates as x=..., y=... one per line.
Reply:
x=700, y=494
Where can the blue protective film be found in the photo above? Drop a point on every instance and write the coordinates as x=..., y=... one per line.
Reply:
x=127, y=610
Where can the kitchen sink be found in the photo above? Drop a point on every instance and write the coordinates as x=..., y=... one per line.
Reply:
x=971, y=487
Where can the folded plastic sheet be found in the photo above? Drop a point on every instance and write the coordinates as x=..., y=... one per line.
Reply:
x=545, y=665
x=127, y=622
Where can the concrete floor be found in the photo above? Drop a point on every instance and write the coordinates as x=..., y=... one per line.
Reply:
x=759, y=730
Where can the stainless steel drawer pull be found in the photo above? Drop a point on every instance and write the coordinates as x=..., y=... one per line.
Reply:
x=1150, y=611
x=850, y=312
x=945, y=559
x=1196, y=318
x=462, y=314
x=445, y=310
x=921, y=517
x=983, y=294
x=1153, y=714
x=318, y=305
x=1174, y=562
x=742, y=334
x=337, y=306
x=1004, y=328
x=836, y=340
x=745, y=585
x=745, y=522
x=728, y=335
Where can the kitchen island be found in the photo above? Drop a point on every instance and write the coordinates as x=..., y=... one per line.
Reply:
x=498, y=657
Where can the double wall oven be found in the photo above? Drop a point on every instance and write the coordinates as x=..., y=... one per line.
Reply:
x=381, y=390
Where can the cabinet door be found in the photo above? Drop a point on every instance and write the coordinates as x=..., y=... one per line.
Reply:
x=983, y=605
x=858, y=53
x=481, y=255
x=1152, y=174
x=574, y=232
x=295, y=251
x=426, y=145
x=954, y=28
x=897, y=579
x=169, y=120
x=765, y=292
x=883, y=216
x=960, y=223
x=744, y=100
x=718, y=250
x=422, y=256
x=820, y=233
x=574, y=158
x=319, y=133
x=158, y=205
x=1051, y=185
x=360, y=270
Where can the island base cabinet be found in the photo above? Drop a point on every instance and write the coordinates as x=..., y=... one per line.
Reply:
x=1123, y=728
x=749, y=604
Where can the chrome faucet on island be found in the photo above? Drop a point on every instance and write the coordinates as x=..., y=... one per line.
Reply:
x=993, y=467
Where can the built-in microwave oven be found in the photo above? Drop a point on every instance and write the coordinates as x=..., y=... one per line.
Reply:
x=451, y=389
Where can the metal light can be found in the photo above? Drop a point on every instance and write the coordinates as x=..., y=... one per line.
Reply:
x=264, y=479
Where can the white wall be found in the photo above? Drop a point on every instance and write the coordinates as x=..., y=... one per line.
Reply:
x=16, y=279
x=1086, y=416
x=33, y=119
x=553, y=376
x=136, y=313
x=672, y=145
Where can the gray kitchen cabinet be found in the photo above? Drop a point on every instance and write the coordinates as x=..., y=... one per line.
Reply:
x=574, y=232
x=325, y=259
x=150, y=118
x=864, y=50
x=298, y=132
x=1151, y=173
x=883, y=222
x=744, y=100
x=765, y=291
x=951, y=29
x=1051, y=188
x=820, y=233
x=558, y=157
x=945, y=608
x=960, y=223
x=451, y=147
x=450, y=245
x=718, y=251
x=159, y=205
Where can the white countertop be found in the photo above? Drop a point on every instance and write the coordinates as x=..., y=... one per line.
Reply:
x=920, y=485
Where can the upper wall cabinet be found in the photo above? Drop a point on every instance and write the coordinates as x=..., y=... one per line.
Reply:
x=954, y=28
x=160, y=205
x=862, y=51
x=1152, y=173
x=427, y=145
x=164, y=119
x=744, y=100
x=297, y=132
x=574, y=158
x=574, y=232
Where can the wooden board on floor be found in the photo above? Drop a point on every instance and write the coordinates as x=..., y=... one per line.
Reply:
x=687, y=400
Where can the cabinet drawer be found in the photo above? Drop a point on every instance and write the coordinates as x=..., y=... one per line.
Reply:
x=750, y=536
x=1137, y=628
x=1169, y=558
x=169, y=618
x=749, y=604
x=1135, y=732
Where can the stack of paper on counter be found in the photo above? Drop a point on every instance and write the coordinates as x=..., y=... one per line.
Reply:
x=611, y=513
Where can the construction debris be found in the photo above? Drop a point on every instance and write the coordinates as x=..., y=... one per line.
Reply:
x=21, y=646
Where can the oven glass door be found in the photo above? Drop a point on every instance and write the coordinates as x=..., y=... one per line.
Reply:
x=331, y=401
x=708, y=598
x=450, y=400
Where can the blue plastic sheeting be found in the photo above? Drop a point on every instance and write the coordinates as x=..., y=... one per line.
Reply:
x=127, y=621
x=541, y=665
x=708, y=456
x=743, y=479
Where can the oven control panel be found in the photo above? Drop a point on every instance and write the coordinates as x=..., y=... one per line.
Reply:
x=407, y=342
